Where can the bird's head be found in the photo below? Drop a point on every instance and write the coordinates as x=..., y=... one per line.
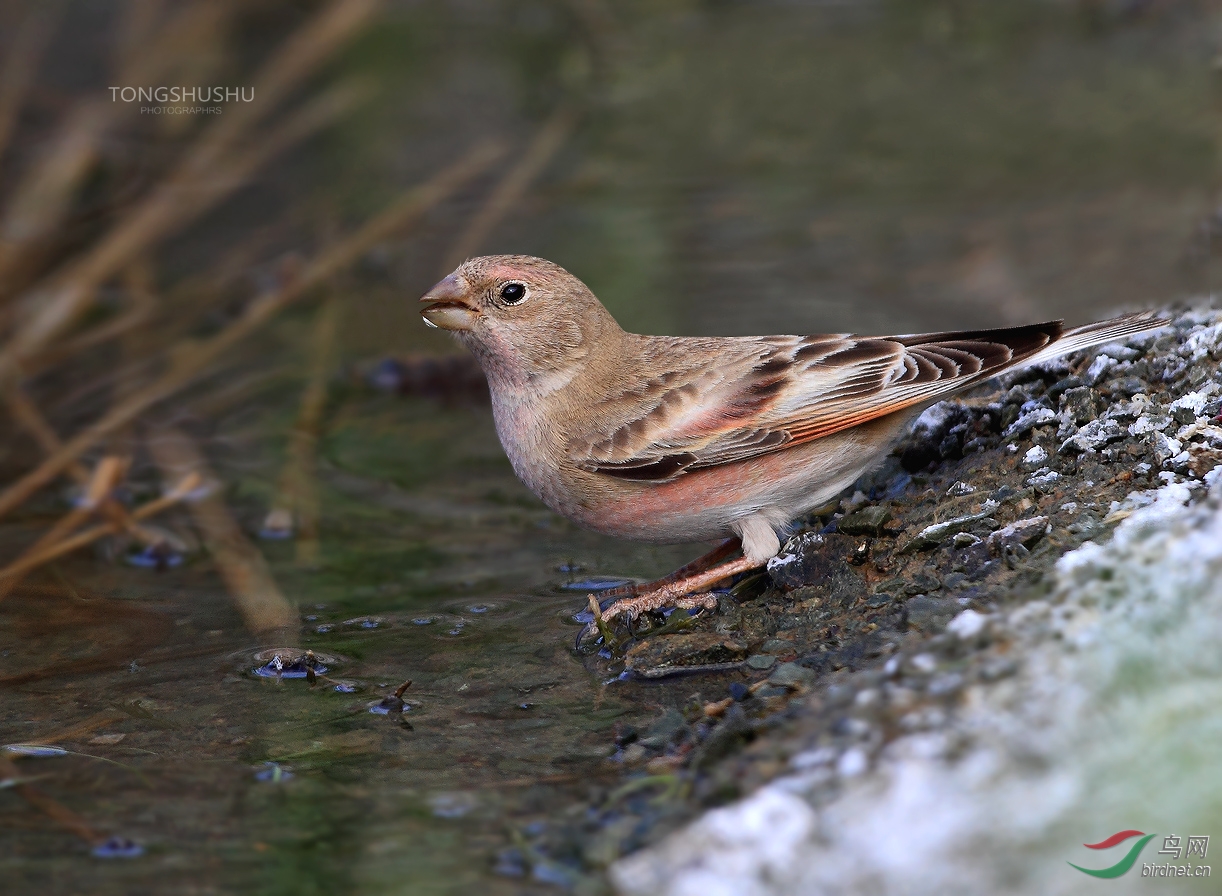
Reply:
x=524, y=319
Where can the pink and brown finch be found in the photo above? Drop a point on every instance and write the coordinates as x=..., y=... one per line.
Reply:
x=673, y=439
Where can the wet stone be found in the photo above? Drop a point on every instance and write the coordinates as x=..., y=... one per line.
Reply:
x=866, y=521
x=1039, y=416
x=665, y=655
x=791, y=675
x=1023, y=532
x=922, y=583
x=728, y=736
x=932, y=536
x=761, y=661
x=1127, y=386
x=669, y=728
x=777, y=646
x=1080, y=405
x=1057, y=389
x=822, y=563
x=1035, y=458
x=1094, y=436
x=928, y=613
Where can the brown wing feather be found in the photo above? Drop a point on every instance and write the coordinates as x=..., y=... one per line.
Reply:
x=795, y=390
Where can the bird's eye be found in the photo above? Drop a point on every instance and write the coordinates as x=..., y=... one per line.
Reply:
x=513, y=293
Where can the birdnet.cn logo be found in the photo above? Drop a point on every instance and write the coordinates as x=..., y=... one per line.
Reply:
x=1182, y=849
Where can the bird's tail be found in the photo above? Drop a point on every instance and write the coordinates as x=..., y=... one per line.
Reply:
x=1098, y=333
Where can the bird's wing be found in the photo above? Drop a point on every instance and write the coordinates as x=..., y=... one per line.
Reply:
x=761, y=395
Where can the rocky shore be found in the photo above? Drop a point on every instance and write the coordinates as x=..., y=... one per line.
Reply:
x=1002, y=646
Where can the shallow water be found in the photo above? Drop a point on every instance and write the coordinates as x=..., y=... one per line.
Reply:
x=438, y=568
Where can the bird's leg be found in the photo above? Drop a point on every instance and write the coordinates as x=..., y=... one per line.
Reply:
x=686, y=593
x=700, y=564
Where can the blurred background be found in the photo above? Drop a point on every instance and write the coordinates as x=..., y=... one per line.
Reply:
x=225, y=429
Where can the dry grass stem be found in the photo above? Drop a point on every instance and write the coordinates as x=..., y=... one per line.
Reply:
x=296, y=507
x=53, y=809
x=169, y=208
x=189, y=362
x=205, y=176
x=45, y=194
x=31, y=561
x=108, y=473
x=29, y=418
x=247, y=577
x=24, y=52
x=85, y=726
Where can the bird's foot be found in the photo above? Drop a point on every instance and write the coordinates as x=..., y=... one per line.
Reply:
x=688, y=593
x=700, y=564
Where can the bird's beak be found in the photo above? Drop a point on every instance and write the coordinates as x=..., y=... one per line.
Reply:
x=448, y=307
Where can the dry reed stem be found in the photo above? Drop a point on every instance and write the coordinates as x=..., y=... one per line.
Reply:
x=299, y=56
x=551, y=136
x=108, y=473
x=204, y=177
x=45, y=194
x=141, y=312
x=24, y=52
x=174, y=204
x=29, y=418
x=83, y=727
x=27, y=563
x=193, y=358
x=245, y=572
x=297, y=500
x=52, y=808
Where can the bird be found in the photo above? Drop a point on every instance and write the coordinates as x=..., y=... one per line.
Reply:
x=670, y=439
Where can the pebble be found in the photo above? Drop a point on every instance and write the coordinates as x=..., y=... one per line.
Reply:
x=777, y=646
x=658, y=657
x=932, y=536
x=1093, y=436
x=853, y=762
x=1099, y=368
x=1035, y=458
x=791, y=675
x=1043, y=480
x=1165, y=448
x=967, y=625
x=1028, y=421
x=867, y=521
x=1081, y=405
x=761, y=661
x=1148, y=423
x=1022, y=532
